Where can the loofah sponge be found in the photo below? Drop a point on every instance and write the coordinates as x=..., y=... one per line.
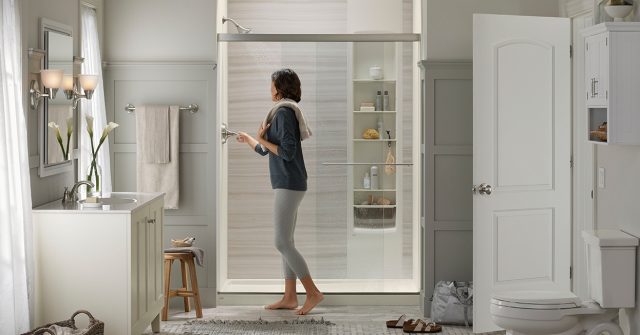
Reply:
x=370, y=134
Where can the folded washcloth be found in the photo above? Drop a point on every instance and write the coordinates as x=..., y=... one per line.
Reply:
x=305, y=131
x=198, y=253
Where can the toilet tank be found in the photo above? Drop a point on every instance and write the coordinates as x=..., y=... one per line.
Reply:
x=611, y=267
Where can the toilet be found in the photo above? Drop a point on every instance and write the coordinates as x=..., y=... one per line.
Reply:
x=611, y=258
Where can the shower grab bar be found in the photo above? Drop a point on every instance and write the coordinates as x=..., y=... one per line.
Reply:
x=368, y=164
x=193, y=108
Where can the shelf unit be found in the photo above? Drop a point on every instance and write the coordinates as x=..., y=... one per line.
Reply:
x=612, y=78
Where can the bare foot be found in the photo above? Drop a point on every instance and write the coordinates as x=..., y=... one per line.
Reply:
x=312, y=301
x=284, y=304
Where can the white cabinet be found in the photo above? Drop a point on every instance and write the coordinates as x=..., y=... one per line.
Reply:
x=596, y=69
x=107, y=261
x=612, y=78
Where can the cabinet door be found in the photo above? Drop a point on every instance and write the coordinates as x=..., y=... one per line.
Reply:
x=155, y=263
x=139, y=232
x=597, y=69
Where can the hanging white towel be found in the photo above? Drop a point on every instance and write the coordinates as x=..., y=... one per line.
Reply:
x=159, y=177
x=154, y=128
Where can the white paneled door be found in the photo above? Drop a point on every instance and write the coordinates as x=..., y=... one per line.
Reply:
x=521, y=157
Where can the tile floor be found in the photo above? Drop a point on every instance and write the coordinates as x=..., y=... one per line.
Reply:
x=347, y=319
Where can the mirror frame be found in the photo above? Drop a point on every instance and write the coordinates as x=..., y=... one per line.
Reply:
x=44, y=169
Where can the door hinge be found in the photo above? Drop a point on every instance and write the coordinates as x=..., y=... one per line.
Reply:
x=571, y=272
x=591, y=194
x=606, y=41
x=570, y=50
x=571, y=162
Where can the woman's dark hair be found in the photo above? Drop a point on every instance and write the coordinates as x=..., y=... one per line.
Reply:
x=287, y=84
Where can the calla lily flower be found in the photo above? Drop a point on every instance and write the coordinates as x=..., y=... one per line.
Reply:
x=89, y=119
x=110, y=127
x=55, y=126
x=69, y=126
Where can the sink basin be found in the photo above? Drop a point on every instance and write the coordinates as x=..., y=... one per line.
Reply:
x=107, y=201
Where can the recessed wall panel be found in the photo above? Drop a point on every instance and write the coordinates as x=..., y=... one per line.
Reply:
x=453, y=111
x=454, y=174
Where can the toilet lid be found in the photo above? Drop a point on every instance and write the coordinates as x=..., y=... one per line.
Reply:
x=545, y=298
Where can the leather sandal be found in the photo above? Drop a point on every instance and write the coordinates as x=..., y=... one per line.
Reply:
x=421, y=327
x=402, y=320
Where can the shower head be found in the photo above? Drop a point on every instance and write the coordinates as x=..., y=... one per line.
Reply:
x=241, y=29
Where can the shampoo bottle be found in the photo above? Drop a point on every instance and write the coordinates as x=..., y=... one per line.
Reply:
x=385, y=101
x=379, y=101
x=374, y=178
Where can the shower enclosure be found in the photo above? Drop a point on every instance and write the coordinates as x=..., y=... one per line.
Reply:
x=357, y=235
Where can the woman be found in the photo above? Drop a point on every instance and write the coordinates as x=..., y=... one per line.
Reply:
x=280, y=137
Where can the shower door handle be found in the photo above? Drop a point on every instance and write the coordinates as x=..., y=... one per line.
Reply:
x=226, y=133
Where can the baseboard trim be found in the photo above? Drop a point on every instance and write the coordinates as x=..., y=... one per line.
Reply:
x=330, y=299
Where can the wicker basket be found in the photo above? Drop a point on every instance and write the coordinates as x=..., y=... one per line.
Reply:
x=599, y=135
x=96, y=327
x=180, y=244
x=374, y=217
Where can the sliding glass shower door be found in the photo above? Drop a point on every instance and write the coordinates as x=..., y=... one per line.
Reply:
x=358, y=225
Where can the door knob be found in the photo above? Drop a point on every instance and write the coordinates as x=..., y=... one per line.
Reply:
x=483, y=189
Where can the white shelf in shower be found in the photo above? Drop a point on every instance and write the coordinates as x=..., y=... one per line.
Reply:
x=374, y=206
x=374, y=190
x=376, y=140
x=374, y=80
x=374, y=112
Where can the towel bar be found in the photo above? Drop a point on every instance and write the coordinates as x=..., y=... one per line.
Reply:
x=193, y=108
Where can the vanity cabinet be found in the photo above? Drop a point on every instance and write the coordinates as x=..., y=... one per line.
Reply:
x=106, y=260
x=612, y=80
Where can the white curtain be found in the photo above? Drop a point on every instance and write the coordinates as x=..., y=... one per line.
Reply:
x=94, y=107
x=16, y=257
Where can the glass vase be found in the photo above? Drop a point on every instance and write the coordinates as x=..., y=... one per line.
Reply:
x=94, y=175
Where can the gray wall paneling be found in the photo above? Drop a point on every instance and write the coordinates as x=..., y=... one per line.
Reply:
x=172, y=84
x=448, y=236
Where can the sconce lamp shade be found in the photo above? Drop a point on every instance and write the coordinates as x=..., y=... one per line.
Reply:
x=88, y=82
x=51, y=78
x=67, y=82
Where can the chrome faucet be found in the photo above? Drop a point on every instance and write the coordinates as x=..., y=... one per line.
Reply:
x=72, y=196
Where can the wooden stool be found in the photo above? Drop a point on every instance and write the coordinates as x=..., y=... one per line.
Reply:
x=186, y=260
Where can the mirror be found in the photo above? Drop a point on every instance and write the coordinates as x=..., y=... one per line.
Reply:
x=57, y=43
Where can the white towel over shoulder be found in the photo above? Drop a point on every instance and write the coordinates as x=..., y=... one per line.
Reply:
x=155, y=177
x=305, y=131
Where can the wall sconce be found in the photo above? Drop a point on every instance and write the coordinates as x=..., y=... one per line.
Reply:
x=88, y=83
x=51, y=80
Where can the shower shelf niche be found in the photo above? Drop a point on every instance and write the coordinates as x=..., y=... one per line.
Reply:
x=373, y=227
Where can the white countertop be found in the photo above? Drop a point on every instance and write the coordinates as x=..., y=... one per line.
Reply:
x=141, y=199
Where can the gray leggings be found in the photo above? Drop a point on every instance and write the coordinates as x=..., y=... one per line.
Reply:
x=285, y=215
